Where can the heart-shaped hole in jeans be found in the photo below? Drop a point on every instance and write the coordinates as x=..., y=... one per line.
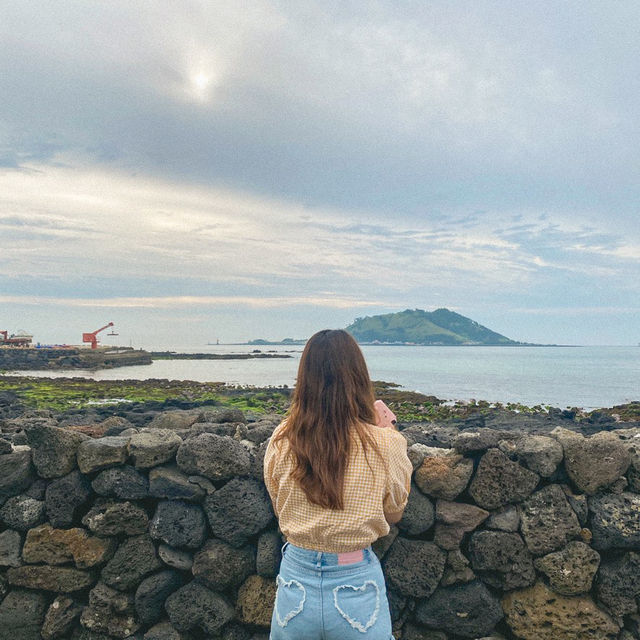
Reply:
x=353, y=603
x=290, y=597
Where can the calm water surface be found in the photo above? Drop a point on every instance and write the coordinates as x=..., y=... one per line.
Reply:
x=586, y=377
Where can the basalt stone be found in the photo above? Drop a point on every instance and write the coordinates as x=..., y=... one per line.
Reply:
x=480, y=440
x=256, y=469
x=236, y=631
x=445, y=474
x=255, y=602
x=60, y=618
x=537, y=613
x=633, y=473
x=207, y=427
x=22, y=512
x=169, y=482
x=164, y=631
x=5, y=446
x=578, y=503
x=10, y=545
x=419, y=514
x=22, y=613
x=134, y=559
x=59, y=546
x=54, y=449
x=466, y=610
x=618, y=584
x=454, y=519
x=65, y=496
x=268, y=555
x=151, y=447
x=219, y=565
x=214, y=457
x=413, y=632
x=179, y=419
x=100, y=453
x=194, y=606
x=457, y=569
x=48, y=578
x=16, y=473
x=123, y=482
x=84, y=634
x=113, y=518
x=259, y=433
x=414, y=567
x=115, y=425
x=383, y=544
x=571, y=570
x=505, y=519
x=109, y=612
x=179, y=524
x=176, y=558
x=239, y=510
x=37, y=489
x=615, y=521
x=540, y=454
x=501, y=560
x=151, y=594
x=221, y=414
x=548, y=521
x=593, y=463
x=499, y=482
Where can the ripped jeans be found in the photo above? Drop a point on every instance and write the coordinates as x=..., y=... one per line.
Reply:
x=319, y=599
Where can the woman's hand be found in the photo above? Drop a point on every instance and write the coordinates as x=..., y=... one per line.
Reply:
x=385, y=417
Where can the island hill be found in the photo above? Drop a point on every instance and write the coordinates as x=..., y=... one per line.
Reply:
x=418, y=327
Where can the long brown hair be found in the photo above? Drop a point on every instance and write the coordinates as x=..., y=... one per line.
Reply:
x=333, y=397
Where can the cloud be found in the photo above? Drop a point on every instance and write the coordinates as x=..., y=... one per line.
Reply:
x=372, y=108
x=166, y=302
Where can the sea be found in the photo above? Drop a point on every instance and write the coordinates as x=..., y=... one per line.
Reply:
x=588, y=377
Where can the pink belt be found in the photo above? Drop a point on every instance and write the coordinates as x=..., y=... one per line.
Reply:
x=349, y=557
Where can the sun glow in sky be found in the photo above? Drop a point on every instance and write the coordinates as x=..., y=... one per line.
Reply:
x=276, y=167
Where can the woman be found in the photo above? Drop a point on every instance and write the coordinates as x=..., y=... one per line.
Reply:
x=336, y=482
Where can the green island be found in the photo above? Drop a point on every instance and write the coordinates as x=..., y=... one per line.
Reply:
x=417, y=327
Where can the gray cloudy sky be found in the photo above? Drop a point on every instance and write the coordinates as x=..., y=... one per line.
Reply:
x=193, y=170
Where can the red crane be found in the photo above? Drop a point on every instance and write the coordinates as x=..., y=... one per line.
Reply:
x=91, y=337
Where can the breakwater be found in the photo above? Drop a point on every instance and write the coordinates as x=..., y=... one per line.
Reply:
x=164, y=530
x=35, y=359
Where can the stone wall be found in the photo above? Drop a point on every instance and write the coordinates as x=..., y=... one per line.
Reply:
x=166, y=532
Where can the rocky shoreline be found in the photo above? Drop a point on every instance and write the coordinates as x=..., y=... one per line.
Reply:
x=49, y=359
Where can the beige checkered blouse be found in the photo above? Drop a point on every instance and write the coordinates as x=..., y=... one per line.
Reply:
x=367, y=496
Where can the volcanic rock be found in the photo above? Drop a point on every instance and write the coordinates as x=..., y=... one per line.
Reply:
x=615, y=521
x=548, y=521
x=239, y=510
x=100, y=453
x=65, y=496
x=570, y=570
x=215, y=457
x=22, y=512
x=123, y=482
x=419, y=514
x=151, y=594
x=110, y=518
x=537, y=613
x=134, y=559
x=179, y=524
x=54, y=449
x=499, y=481
x=444, y=475
x=151, y=447
x=466, y=610
x=255, y=601
x=218, y=565
x=414, y=567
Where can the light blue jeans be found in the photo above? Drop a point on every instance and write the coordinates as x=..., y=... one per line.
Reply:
x=318, y=599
